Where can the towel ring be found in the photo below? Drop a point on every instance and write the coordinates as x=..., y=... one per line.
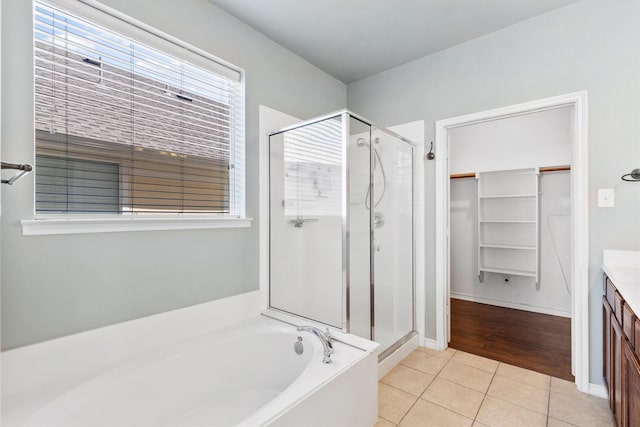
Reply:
x=633, y=176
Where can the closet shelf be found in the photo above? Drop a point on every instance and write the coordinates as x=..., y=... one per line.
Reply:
x=507, y=196
x=508, y=271
x=514, y=249
x=522, y=247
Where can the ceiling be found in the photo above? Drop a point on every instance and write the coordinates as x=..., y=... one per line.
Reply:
x=352, y=39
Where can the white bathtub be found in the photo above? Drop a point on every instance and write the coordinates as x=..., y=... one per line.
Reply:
x=245, y=375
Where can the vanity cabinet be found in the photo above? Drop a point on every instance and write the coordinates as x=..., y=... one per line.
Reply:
x=621, y=352
x=616, y=371
x=607, y=366
x=630, y=386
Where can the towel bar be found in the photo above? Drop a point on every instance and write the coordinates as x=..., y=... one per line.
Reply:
x=22, y=168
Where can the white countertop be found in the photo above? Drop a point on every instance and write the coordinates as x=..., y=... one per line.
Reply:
x=623, y=268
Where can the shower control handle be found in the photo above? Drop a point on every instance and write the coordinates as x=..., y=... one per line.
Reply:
x=376, y=245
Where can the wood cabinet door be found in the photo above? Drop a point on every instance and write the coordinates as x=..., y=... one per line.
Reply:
x=616, y=372
x=606, y=349
x=630, y=387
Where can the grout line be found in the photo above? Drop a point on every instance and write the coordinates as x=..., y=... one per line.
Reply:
x=485, y=396
x=460, y=385
x=444, y=407
x=425, y=372
x=448, y=409
x=408, y=410
x=549, y=401
x=419, y=397
x=459, y=362
x=517, y=404
x=439, y=356
x=525, y=383
x=567, y=422
x=405, y=414
x=417, y=370
x=389, y=421
x=486, y=393
x=404, y=391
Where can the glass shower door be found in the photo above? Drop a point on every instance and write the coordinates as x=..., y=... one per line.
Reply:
x=307, y=235
x=392, y=204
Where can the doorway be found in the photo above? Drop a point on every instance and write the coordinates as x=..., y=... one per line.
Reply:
x=577, y=283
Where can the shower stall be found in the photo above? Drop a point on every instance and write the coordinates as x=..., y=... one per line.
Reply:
x=341, y=219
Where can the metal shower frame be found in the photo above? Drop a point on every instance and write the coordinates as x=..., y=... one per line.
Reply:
x=346, y=315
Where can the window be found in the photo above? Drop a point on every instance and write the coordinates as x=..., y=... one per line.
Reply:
x=125, y=128
x=96, y=185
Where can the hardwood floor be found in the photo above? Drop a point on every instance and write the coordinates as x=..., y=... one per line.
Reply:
x=535, y=341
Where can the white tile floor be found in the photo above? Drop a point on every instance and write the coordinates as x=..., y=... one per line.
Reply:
x=454, y=388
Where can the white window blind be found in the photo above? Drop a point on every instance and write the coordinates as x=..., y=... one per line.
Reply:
x=313, y=171
x=168, y=133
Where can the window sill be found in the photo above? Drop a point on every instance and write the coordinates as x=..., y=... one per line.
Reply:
x=75, y=225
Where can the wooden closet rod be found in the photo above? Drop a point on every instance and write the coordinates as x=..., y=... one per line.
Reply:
x=542, y=170
x=555, y=169
x=462, y=175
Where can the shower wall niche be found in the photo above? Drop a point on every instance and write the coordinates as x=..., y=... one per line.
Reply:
x=341, y=227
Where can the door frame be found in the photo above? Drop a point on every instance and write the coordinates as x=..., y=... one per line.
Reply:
x=579, y=220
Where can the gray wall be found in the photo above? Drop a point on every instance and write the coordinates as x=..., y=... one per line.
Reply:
x=57, y=285
x=592, y=45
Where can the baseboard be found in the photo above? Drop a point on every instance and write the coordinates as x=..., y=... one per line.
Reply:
x=429, y=343
x=506, y=304
x=394, y=358
x=598, y=390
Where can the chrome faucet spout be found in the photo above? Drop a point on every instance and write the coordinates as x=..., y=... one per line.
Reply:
x=325, y=339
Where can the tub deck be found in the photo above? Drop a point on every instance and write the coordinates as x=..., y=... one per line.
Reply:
x=244, y=374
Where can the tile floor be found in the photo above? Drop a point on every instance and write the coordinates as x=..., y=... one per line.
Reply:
x=454, y=388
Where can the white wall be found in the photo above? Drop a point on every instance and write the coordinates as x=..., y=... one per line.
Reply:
x=589, y=45
x=57, y=285
x=525, y=141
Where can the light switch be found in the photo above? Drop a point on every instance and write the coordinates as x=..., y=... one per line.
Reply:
x=605, y=198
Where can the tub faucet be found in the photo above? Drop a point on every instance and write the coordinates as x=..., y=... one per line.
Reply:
x=325, y=338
